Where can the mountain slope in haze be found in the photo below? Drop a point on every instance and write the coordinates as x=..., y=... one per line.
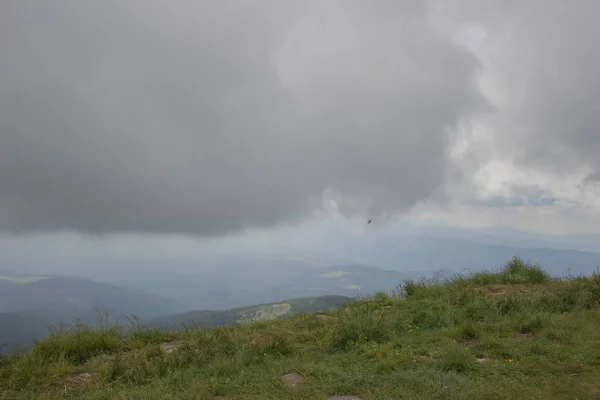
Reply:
x=434, y=249
x=30, y=304
x=260, y=312
x=21, y=329
x=65, y=294
x=243, y=284
x=587, y=242
x=223, y=280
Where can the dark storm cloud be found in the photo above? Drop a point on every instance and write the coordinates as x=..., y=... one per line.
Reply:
x=207, y=117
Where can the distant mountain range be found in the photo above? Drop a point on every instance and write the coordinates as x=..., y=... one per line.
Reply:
x=271, y=280
x=30, y=304
x=347, y=265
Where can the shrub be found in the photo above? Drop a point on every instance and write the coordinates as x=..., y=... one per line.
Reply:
x=518, y=271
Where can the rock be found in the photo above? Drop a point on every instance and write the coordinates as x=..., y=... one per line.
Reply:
x=171, y=346
x=482, y=360
x=80, y=379
x=293, y=380
x=322, y=317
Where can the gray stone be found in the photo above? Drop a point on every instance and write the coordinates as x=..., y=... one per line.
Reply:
x=80, y=379
x=171, y=346
x=293, y=380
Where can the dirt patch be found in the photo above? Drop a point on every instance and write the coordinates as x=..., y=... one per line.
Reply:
x=498, y=291
x=526, y=335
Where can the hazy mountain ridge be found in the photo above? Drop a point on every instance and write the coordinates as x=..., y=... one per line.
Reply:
x=72, y=293
x=239, y=286
x=29, y=305
x=259, y=312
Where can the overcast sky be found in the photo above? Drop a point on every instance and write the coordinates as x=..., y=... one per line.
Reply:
x=205, y=118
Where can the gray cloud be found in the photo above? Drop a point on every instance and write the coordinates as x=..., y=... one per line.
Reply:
x=545, y=58
x=520, y=195
x=208, y=117
x=593, y=178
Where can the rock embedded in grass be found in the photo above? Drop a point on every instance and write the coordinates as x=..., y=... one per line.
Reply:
x=293, y=380
x=80, y=379
x=171, y=346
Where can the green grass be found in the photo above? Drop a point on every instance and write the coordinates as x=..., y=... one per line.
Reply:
x=514, y=333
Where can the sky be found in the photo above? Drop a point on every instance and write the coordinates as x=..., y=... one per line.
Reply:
x=207, y=119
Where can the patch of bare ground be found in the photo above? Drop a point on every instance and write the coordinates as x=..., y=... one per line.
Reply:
x=525, y=335
x=495, y=291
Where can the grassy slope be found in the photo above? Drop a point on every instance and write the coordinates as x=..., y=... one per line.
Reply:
x=513, y=334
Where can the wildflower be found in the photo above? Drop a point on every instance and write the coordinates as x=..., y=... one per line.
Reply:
x=265, y=354
x=510, y=360
x=410, y=331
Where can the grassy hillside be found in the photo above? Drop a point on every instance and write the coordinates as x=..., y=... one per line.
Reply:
x=508, y=334
x=260, y=312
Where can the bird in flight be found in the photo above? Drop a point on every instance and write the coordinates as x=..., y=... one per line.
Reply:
x=370, y=221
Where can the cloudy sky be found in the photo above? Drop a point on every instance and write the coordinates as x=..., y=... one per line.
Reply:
x=205, y=118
